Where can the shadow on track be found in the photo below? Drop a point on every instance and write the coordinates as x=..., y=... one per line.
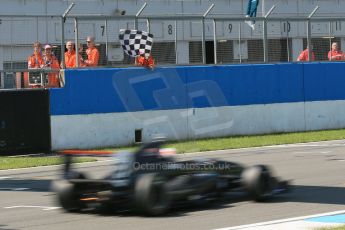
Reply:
x=314, y=194
x=298, y=193
x=30, y=185
x=3, y=227
x=304, y=194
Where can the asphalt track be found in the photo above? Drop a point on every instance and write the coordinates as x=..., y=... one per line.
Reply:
x=317, y=171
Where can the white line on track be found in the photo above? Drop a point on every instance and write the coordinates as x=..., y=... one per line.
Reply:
x=281, y=221
x=45, y=208
x=326, y=152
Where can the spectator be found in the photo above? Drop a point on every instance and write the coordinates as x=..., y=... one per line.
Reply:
x=35, y=60
x=145, y=61
x=70, y=55
x=50, y=61
x=335, y=54
x=92, y=52
x=304, y=56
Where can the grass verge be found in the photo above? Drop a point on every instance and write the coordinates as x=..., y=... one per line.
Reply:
x=332, y=228
x=195, y=146
x=256, y=141
x=26, y=162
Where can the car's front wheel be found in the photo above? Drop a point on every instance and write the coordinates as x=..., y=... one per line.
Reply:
x=258, y=182
x=150, y=195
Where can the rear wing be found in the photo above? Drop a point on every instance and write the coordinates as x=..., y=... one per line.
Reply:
x=69, y=154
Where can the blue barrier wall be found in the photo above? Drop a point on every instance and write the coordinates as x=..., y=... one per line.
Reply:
x=90, y=91
x=324, y=81
x=103, y=107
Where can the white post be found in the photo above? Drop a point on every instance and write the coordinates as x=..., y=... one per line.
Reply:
x=263, y=8
x=309, y=32
x=63, y=19
x=138, y=14
x=203, y=34
x=76, y=43
x=265, y=38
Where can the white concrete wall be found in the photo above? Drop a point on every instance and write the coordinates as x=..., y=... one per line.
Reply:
x=101, y=130
x=325, y=115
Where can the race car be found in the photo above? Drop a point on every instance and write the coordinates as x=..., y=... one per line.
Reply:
x=151, y=181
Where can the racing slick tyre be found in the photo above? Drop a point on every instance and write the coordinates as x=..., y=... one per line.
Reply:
x=150, y=195
x=66, y=196
x=258, y=182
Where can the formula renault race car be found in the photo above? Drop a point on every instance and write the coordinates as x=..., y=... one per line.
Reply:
x=150, y=181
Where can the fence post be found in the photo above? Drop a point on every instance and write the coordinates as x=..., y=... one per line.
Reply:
x=176, y=55
x=62, y=42
x=239, y=40
x=148, y=25
x=287, y=40
x=203, y=34
x=76, y=43
x=329, y=35
x=203, y=49
x=63, y=19
x=265, y=39
x=138, y=14
x=106, y=38
x=215, y=40
x=309, y=31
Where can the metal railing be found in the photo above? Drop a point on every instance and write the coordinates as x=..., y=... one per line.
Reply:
x=31, y=78
x=205, y=38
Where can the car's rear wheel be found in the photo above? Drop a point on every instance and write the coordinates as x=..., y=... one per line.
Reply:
x=67, y=196
x=258, y=182
x=150, y=195
x=67, y=192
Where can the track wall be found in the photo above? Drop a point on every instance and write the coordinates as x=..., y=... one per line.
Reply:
x=104, y=107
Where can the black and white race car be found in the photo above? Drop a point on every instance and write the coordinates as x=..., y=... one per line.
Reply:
x=151, y=181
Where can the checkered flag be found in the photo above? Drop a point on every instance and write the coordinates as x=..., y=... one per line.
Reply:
x=136, y=42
